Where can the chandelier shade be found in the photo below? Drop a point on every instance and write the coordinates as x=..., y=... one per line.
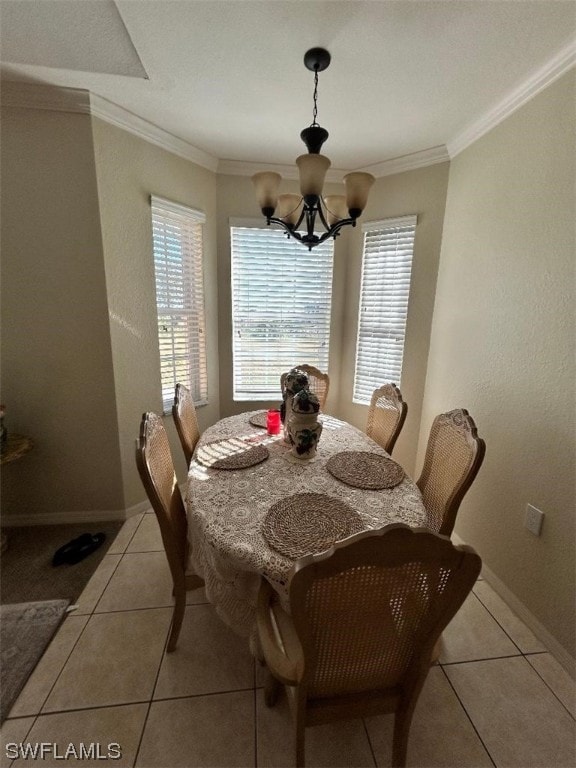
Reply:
x=311, y=211
x=267, y=184
x=289, y=208
x=357, y=189
x=336, y=208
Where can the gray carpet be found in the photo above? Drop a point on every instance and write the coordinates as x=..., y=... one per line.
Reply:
x=25, y=631
x=27, y=573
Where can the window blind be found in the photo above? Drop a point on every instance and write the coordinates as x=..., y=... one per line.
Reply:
x=178, y=249
x=386, y=269
x=281, y=301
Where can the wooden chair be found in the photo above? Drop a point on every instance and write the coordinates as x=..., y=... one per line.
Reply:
x=156, y=469
x=318, y=382
x=364, y=618
x=386, y=416
x=454, y=455
x=184, y=414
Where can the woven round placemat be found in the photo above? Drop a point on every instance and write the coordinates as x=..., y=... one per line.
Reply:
x=231, y=453
x=308, y=523
x=362, y=469
x=258, y=419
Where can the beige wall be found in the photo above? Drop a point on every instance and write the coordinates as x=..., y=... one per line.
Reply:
x=421, y=192
x=503, y=346
x=236, y=199
x=129, y=170
x=57, y=375
x=79, y=339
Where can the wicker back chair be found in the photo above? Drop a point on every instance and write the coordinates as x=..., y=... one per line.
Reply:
x=184, y=414
x=318, y=382
x=454, y=455
x=156, y=469
x=386, y=416
x=364, y=618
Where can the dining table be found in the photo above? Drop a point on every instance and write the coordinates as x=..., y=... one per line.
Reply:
x=253, y=508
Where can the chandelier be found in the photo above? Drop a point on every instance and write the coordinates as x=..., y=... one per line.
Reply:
x=300, y=215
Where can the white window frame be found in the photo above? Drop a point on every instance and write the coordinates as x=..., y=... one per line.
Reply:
x=282, y=265
x=177, y=239
x=387, y=259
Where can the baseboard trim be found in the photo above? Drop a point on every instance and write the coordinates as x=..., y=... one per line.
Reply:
x=82, y=516
x=554, y=647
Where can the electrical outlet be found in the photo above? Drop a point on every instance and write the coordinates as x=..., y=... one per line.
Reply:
x=533, y=520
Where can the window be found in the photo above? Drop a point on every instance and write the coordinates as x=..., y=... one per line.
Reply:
x=281, y=297
x=177, y=239
x=386, y=268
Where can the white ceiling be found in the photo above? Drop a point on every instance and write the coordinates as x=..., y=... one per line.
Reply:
x=227, y=76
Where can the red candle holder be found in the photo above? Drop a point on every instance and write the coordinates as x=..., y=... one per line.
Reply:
x=273, y=423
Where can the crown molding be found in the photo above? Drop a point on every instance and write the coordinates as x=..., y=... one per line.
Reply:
x=121, y=118
x=80, y=101
x=34, y=96
x=409, y=162
x=557, y=66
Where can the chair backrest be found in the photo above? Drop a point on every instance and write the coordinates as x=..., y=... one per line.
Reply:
x=154, y=462
x=454, y=455
x=368, y=611
x=318, y=382
x=184, y=414
x=386, y=416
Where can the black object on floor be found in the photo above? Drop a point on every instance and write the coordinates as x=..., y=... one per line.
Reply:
x=27, y=573
x=77, y=549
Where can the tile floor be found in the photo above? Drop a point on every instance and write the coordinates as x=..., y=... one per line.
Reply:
x=497, y=698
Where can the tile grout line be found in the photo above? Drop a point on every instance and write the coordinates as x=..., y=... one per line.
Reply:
x=497, y=622
x=151, y=699
x=85, y=709
x=370, y=743
x=470, y=717
x=27, y=734
x=206, y=693
x=74, y=644
x=474, y=661
x=523, y=654
x=117, y=564
x=547, y=684
x=91, y=613
x=132, y=703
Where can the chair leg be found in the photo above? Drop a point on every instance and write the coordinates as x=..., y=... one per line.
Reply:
x=271, y=689
x=193, y=581
x=256, y=648
x=177, y=617
x=299, y=735
x=436, y=651
x=402, y=722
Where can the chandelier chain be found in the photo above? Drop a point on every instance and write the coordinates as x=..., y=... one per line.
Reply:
x=315, y=110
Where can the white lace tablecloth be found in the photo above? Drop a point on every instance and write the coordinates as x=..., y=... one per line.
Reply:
x=226, y=508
